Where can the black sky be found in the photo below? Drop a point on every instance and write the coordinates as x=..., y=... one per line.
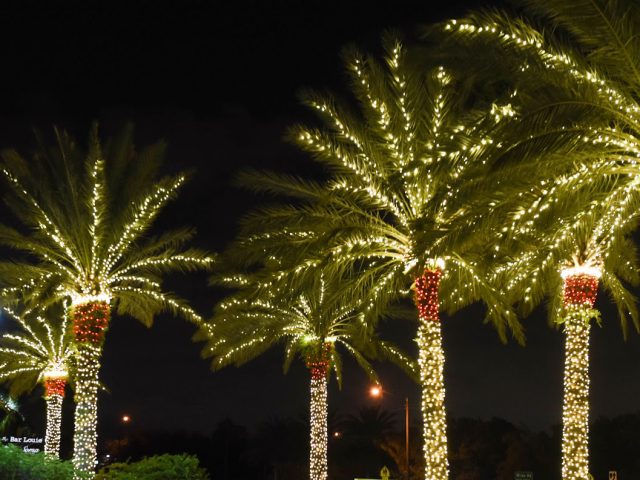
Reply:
x=218, y=82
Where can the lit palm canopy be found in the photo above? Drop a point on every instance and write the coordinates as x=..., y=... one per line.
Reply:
x=587, y=231
x=86, y=217
x=400, y=168
x=578, y=84
x=576, y=140
x=40, y=349
x=577, y=78
x=304, y=321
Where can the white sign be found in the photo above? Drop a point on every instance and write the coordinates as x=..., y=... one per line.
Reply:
x=28, y=444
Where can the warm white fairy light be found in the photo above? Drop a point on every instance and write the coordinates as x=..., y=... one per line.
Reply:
x=58, y=371
x=620, y=152
x=579, y=294
x=54, y=421
x=311, y=324
x=431, y=363
x=86, y=415
x=82, y=298
x=399, y=176
x=106, y=270
x=575, y=411
x=589, y=270
x=610, y=216
x=55, y=381
x=318, y=434
x=90, y=322
x=44, y=350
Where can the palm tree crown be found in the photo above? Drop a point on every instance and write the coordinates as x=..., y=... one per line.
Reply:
x=307, y=320
x=41, y=349
x=401, y=168
x=87, y=214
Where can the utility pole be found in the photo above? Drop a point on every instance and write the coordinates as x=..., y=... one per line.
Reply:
x=406, y=433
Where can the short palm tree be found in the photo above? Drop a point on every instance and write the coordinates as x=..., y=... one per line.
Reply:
x=400, y=172
x=40, y=352
x=579, y=85
x=86, y=216
x=310, y=324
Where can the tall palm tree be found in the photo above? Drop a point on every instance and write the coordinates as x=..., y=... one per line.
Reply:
x=400, y=168
x=310, y=324
x=39, y=353
x=86, y=215
x=579, y=83
x=569, y=263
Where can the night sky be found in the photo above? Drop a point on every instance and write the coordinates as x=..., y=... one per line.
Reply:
x=218, y=82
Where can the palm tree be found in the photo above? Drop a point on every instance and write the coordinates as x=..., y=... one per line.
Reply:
x=399, y=172
x=371, y=423
x=86, y=215
x=589, y=252
x=579, y=86
x=311, y=324
x=361, y=439
x=40, y=352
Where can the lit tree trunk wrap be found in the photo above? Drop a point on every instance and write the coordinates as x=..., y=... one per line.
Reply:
x=90, y=321
x=318, y=365
x=431, y=362
x=579, y=298
x=53, y=396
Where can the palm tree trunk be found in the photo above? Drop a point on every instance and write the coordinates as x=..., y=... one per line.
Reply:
x=90, y=321
x=319, y=368
x=579, y=297
x=431, y=362
x=54, y=395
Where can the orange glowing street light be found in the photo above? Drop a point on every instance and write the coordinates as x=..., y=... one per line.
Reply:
x=375, y=391
x=126, y=418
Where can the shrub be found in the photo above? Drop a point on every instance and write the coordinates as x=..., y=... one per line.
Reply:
x=159, y=467
x=17, y=465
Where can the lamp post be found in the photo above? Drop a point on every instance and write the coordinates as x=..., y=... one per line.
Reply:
x=376, y=392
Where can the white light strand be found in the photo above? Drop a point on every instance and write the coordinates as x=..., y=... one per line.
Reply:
x=86, y=417
x=54, y=422
x=575, y=410
x=590, y=270
x=318, y=436
x=431, y=362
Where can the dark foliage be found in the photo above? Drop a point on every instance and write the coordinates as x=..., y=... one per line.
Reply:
x=17, y=465
x=479, y=449
x=161, y=467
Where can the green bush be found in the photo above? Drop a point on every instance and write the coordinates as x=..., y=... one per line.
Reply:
x=159, y=467
x=17, y=465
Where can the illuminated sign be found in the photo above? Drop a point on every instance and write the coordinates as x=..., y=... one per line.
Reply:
x=28, y=444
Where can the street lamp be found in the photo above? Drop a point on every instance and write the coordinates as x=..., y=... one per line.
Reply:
x=376, y=391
